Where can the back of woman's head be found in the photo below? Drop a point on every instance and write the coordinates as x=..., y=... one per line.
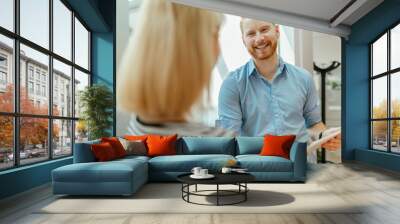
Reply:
x=169, y=60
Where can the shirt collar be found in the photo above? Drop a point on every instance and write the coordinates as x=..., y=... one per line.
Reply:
x=253, y=70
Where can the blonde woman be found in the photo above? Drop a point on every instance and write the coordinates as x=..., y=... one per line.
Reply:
x=167, y=66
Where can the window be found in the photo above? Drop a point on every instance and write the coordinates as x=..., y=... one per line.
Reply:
x=37, y=75
x=6, y=142
x=34, y=21
x=46, y=76
x=44, y=91
x=62, y=74
x=7, y=14
x=3, y=78
x=37, y=89
x=385, y=94
x=62, y=31
x=30, y=87
x=6, y=73
x=30, y=72
x=81, y=45
x=3, y=61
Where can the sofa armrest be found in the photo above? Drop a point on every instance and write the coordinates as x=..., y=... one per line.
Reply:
x=83, y=152
x=298, y=155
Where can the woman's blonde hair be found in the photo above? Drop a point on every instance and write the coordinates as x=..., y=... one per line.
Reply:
x=169, y=60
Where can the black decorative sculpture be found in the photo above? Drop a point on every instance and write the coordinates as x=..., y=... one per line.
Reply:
x=324, y=72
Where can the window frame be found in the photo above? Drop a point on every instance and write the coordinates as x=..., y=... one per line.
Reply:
x=388, y=74
x=16, y=114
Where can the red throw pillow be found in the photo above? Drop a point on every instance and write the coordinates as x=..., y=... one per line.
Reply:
x=277, y=145
x=116, y=145
x=161, y=145
x=103, y=152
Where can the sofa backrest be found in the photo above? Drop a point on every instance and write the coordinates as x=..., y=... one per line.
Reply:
x=249, y=145
x=206, y=145
x=83, y=152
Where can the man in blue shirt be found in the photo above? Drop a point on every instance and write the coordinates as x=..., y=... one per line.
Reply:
x=267, y=95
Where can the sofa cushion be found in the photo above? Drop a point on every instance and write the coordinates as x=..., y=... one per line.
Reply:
x=277, y=145
x=103, y=152
x=185, y=163
x=161, y=145
x=111, y=171
x=257, y=163
x=249, y=145
x=116, y=145
x=206, y=145
x=136, y=147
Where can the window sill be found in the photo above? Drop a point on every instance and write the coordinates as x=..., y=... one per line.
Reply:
x=25, y=167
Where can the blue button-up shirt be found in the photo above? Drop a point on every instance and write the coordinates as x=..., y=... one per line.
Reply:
x=251, y=105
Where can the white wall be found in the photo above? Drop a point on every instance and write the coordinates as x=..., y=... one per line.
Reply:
x=122, y=40
x=327, y=48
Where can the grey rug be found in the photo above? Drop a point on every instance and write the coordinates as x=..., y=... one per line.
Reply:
x=166, y=198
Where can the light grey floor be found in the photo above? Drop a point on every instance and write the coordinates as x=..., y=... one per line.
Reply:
x=379, y=189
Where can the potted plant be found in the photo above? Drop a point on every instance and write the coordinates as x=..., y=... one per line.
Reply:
x=96, y=102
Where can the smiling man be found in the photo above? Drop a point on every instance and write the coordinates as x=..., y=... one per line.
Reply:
x=268, y=95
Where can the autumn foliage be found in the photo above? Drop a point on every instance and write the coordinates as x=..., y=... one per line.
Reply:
x=380, y=127
x=33, y=131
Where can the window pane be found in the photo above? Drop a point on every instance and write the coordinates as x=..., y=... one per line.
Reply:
x=81, y=131
x=33, y=139
x=62, y=138
x=6, y=142
x=7, y=14
x=6, y=74
x=35, y=21
x=81, y=45
x=395, y=138
x=395, y=94
x=379, y=135
x=395, y=47
x=81, y=81
x=379, y=55
x=62, y=29
x=34, y=72
x=379, y=97
x=62, y=89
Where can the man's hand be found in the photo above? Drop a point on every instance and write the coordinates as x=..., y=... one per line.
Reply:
x=333, y=144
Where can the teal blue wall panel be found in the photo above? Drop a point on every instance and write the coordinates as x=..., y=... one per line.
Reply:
x=356, y=101
x=379, y=159
x=103, y=63
x=102, y=59
x=24, y=178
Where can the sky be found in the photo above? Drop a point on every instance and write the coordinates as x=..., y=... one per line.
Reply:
x=35, y=27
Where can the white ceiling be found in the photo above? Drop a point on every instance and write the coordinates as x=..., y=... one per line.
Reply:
x=314, y=15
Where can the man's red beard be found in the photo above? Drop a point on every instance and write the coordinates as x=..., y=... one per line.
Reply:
x=273, y=46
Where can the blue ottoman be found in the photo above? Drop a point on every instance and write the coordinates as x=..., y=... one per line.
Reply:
x=118, y=177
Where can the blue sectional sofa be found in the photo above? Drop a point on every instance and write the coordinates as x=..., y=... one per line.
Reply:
x=125, y=176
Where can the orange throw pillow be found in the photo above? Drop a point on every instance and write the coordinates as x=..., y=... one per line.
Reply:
x=136, y=137
x=103, y=152
x=116, y=145
x=161, y=145
x=277, y=145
